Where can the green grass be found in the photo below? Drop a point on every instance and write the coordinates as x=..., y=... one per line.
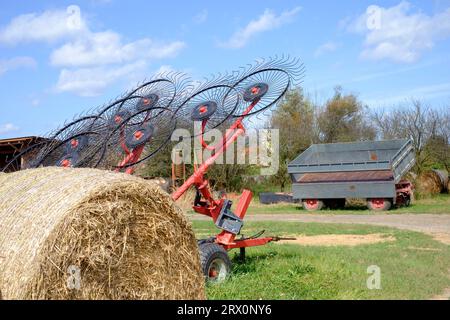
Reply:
x=437, y=204
x=287, y=271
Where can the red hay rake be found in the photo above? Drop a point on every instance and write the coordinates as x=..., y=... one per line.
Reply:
x=135, y=127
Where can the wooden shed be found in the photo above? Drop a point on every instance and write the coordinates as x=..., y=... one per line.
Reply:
x=11, y=147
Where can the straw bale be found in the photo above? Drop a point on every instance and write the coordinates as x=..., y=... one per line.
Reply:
x=431, y=182
x=125, y=237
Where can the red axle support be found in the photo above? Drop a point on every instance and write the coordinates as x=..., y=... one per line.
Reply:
x=248, y=243
x=404, y=192
x=226, y=238
x=131, y=157
x=197, y=179
x=230, y=137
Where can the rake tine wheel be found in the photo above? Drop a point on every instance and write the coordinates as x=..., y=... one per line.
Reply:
x=148, y=114
x=55, y=146
x=265, y=83
x=212, y=103
x=143, y=135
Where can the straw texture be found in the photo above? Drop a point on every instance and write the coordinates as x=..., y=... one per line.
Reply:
x=432, y=182
x=124, y=235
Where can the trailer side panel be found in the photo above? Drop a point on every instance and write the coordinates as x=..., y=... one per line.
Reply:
x=372, y=189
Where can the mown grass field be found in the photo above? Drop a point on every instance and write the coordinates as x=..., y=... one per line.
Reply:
x=438, y=204
x=414, y=266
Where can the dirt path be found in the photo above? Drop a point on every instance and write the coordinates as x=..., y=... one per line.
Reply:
x=436, y=224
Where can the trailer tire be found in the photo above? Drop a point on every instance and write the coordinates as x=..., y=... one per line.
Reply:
x=408, y=201
x=379, y=204
x=312, y=204
x=215, y=262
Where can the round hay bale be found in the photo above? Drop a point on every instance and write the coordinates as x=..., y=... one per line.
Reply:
x=443, y=177
x=92, y=234
x=431, y=182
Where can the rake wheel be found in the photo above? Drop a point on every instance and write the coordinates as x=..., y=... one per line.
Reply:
x=78, y=125
x=69, y=160
x=139, y=136
x=147, y=101
x=159, y=92
x=77, y=144
x=213, y=105
x=85, y=152
x=75, y=128
x=264, y=88
x=151, y=128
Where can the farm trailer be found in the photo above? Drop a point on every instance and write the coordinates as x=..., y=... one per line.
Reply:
x=325, y=175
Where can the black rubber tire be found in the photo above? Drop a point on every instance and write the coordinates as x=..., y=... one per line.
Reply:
x=320, y=205
x=408, y=201
x=211, y=253
x=386, y=205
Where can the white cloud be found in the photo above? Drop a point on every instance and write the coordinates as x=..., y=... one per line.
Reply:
x=265, y=22
x=92, y=63
x=89, y=61
x=48, y=26
x=399, y=34
x=92, y=81
x=15, y=63
x=104, y=48
x=326, y=47
x=8, y=128
x=201, y=17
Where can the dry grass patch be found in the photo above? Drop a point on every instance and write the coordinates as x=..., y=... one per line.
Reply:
x=333, y=240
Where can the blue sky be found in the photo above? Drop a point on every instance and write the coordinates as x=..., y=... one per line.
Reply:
x=55, y=63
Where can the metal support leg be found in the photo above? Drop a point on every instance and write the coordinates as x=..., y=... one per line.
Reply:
x=242, y=254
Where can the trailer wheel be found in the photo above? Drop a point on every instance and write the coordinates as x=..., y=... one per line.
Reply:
x=408, y=201
x=312, y=204
x=216, y=264
x=379, y=204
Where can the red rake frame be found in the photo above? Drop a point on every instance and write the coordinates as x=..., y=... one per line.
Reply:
x=213, y=207
x=262, y=86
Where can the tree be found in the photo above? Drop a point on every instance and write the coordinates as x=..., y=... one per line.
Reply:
x=437, y=149
x=427, y=128
x=342, y=119
x=294, y=118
